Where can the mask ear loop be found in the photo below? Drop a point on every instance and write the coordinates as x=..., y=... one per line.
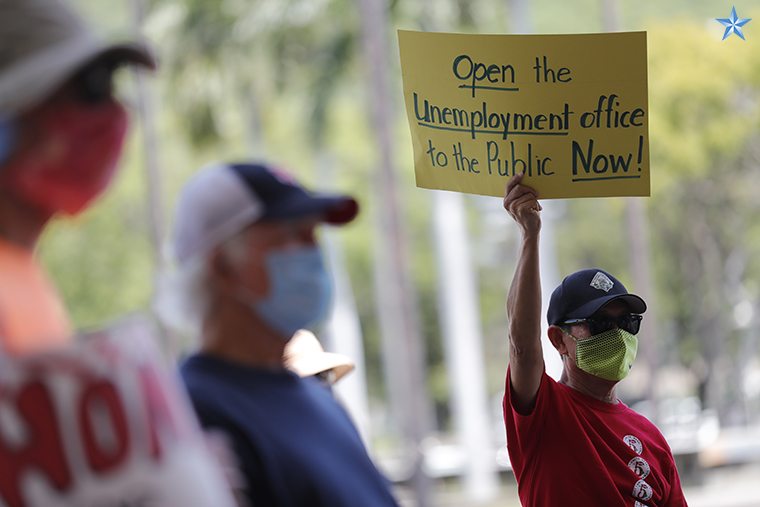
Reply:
x=7, y=138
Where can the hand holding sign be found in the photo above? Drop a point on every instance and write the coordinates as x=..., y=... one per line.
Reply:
x=569, y=111
x=521, y=202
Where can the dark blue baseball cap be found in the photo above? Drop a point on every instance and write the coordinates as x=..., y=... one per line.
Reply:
x=222, y=199
x=585, y=292
x=281, y=196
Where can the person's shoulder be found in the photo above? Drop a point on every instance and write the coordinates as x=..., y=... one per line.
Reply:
x=201, y=378
x=209, y=397
x=192, y=368
x=201, y=366
x=194, y=362
x=643, y=423
x=549, y=391
x=637, y=416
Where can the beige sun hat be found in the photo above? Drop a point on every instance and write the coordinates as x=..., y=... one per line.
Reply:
x=45, y=42
x=305, y=356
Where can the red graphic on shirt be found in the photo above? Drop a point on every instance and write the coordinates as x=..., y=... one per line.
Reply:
x=31, y=435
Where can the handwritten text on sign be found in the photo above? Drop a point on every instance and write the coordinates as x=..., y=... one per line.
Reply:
x=569, y=110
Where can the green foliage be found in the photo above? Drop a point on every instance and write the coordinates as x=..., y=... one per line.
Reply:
x=704, y=101
x=102, y=262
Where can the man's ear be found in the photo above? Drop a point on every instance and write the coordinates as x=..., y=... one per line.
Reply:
x=556, y=336
x=221, y=272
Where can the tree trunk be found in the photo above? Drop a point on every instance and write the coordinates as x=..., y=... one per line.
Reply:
x=146, y=111
x=458, y=305
x=403, y=345
x=343, y=333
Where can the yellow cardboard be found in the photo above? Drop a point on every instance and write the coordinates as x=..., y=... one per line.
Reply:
x=569, y=110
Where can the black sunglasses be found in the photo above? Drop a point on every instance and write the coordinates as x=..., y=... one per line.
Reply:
x=630, y=322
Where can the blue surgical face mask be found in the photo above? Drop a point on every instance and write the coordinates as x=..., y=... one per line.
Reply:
x=300, y=290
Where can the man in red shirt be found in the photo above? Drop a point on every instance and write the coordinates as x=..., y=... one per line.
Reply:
x=573, y=442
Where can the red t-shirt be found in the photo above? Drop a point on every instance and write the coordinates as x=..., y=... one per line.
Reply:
x=576, y=450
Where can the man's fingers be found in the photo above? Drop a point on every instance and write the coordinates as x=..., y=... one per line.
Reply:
x=520, y=199
x=516, y=181
x=517, y=192
x=521, y=190
x=526, y=201
x=513, y=182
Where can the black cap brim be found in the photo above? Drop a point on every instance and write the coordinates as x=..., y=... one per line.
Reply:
x=127, y=53
x=634, y=303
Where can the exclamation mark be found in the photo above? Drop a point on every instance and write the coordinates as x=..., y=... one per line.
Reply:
x=641, y=150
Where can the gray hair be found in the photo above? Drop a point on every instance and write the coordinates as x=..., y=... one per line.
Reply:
x=183, y=296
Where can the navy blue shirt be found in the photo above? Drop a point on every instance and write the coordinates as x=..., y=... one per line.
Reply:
x=296, y=444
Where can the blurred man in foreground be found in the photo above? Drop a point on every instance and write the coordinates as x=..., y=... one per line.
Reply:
x=247, y=235
x=61, y=134
x=573, y=442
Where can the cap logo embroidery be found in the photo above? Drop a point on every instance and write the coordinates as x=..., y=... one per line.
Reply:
x=601, y=282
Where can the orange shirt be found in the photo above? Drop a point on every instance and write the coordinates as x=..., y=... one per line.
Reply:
x=32, y=316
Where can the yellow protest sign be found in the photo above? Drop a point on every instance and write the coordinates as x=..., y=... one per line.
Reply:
x=569, y=110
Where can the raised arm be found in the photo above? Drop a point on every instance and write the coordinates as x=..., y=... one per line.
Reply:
x=526, y=362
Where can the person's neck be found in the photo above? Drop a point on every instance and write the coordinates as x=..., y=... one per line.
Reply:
x=234, y=332
x=21, y=223
x=595, y=387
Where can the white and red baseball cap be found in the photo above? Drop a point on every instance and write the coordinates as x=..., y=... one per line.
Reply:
x=222, y=199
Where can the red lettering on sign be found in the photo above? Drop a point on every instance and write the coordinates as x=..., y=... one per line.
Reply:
x=42, y=448
x=158, y=409
x=103, y=455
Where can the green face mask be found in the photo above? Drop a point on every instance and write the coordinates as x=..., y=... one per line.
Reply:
x=608, y=355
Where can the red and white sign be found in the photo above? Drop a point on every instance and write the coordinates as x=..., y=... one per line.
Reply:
x=102, y=424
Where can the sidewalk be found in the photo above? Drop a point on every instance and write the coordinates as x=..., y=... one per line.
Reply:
x=737, y=486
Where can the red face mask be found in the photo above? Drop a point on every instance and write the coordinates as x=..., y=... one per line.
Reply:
x=70, y=156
